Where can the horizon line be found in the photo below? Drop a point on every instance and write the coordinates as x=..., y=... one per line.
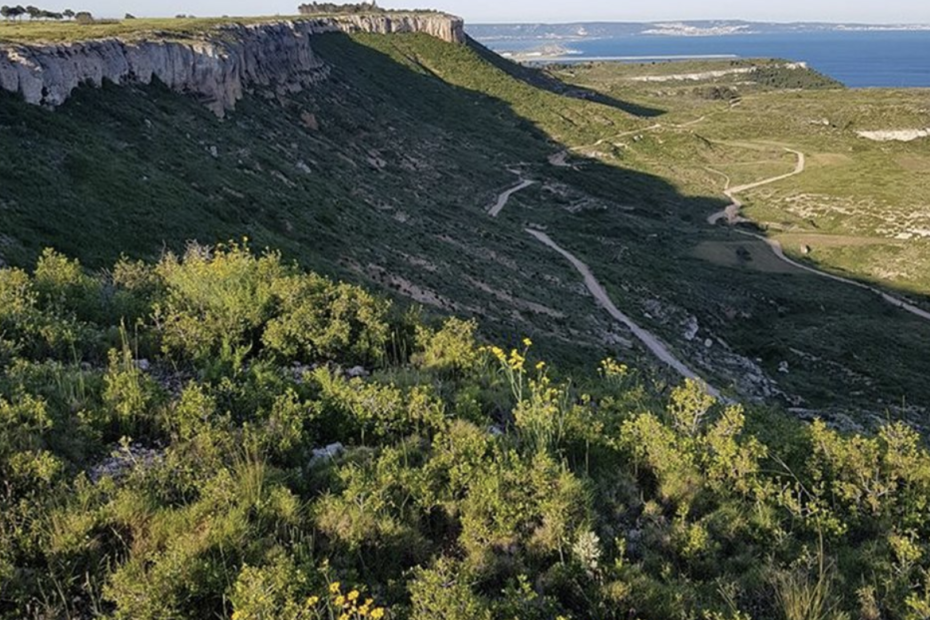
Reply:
x=685, y=21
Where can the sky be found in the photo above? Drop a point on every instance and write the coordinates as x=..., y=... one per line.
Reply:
x=493, y=11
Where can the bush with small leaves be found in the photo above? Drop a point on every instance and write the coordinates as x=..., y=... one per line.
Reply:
x=451, y=350
x=443, y=592
x=318, y=320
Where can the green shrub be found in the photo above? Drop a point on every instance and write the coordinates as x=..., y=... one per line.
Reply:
x=319, y=320
x=62, y=285
x=215, y=303
x=451, y=350
x=443, y=592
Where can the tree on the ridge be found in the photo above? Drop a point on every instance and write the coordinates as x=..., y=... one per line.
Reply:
x=33, y=11
x=68, y=13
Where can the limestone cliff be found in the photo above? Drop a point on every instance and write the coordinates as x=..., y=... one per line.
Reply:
x=218, y=67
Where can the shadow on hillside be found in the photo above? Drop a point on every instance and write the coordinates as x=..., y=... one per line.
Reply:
x=661, y=226
x=545, y=81
x=480, y=119
x=92, y=204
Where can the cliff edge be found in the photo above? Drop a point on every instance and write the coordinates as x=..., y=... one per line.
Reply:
x=218, y=66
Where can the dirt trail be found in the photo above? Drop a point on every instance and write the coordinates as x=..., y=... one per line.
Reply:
x=731, y=212
x=559, y=159
x=656, y=346
x=504, y=197
x=891, y=299
x=732, y=216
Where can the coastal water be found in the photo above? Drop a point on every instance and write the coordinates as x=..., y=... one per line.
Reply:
x=858, y=59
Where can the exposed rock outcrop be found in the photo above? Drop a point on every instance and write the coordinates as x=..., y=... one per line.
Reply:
x=218, y=67
x=446, y=27
x=902, y=135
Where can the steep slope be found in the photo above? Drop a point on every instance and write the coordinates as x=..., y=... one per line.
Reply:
x=383, y=173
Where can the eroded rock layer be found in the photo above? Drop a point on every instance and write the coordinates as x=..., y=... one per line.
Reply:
x=218, y=67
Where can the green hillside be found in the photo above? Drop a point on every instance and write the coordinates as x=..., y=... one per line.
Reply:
x=388, y=347
x=383, y=175
x=253, y=472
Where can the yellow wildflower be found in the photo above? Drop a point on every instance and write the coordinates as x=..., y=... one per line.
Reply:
x=335, y=587
x=313, y=600
x=340, y=601
x=540, y=365
x=344, y=617
x=353, y=595
x=377, y=612
x=527, y=342
x=612, y=368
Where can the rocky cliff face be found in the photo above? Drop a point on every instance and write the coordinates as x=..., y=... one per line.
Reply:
x=445, y=27
x=219, y=68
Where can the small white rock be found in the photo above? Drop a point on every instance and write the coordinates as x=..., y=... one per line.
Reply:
x=357, y=372
x=328, y=453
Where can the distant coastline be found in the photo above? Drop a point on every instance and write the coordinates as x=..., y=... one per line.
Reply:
x=707, y=28
x=860, y=56
x=568, y=58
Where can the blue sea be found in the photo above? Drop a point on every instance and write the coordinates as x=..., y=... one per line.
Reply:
x=858, y=59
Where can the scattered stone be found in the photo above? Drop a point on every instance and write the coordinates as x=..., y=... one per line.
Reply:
x=123, y=461
x=692, y=327
x=214, y=152
x=708, y=343
x=309, y=120
x=303, y=167
x=298, y=371
x=144, y=365
x=784, y=368
x=495, y=431
x=328, y=453
x=357, y=372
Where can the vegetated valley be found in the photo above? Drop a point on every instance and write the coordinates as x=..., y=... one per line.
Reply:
x=411, y=342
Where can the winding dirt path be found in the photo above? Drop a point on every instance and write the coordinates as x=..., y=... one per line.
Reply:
x=504, y=197
x=731, y=212
x=778, y=251
x=641, y=130
x=655, y=346
x=732, y=216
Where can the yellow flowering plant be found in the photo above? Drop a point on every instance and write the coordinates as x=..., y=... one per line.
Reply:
x=513, y=366
x=261, y=604
x=541, y=410
x=345, y=605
